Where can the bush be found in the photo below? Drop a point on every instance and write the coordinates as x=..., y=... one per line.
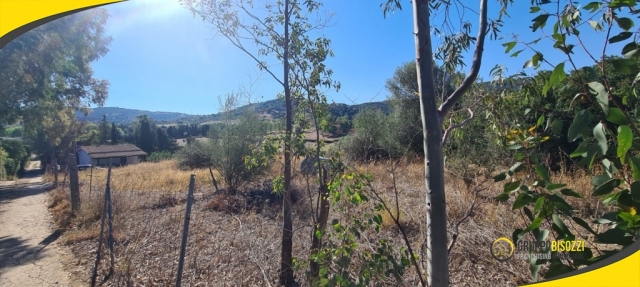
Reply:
x=228, y=150
x=194, y=155
x=17, y=157
x=160, y=156
x=236, y=142
x=3, y=158
x=374, y=137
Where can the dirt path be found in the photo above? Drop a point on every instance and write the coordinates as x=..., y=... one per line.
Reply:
x=29, y=255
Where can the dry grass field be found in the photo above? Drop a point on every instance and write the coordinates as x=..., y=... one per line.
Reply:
x=234, y=239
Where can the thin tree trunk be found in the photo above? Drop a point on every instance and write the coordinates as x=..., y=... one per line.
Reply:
x=437, y=261
x=286, y=271
x=436, y=231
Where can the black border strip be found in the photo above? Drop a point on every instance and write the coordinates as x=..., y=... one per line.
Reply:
x=4, y=40
x=620, y=255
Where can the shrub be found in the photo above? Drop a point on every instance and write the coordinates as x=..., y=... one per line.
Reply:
x=17, y=157
x=194, y=155
x=374, y=137
x=236, y=142
x=160, y=156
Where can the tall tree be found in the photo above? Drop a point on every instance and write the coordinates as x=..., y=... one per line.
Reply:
x=144, y=130
x=282, y=34
x=164, y=142
x=115, y=134
x=51, y=63
x=104, y=130
x=437, y=263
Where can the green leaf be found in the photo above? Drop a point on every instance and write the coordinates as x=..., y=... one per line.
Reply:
x=534, y=269
x=625, y=139
x=601, y=138
x=602, y=96
x=592, y=7
x=511, y=186
x=539, y=22
x=584, y=224
x=527, y=64
x=500, y=177
x=534, y=9
x=558, y=75
x=600, y=180
x=517, y=234
x=617, y=117
x=554, y=186
x=540, y=121
x=607, y=187
x=595, y=25
x=509, y=46
x=502, y=197
x=630, y=48
x=556, y=126
x=539, y=203
x=580, y=122
x=561, y=204
x=570, y=192
x=624, y=23
x=635, y=167
x=516, y=53
x=528, y=213
x=517, y=167
x=558, y=222
x=534, y=224
x=614, y=236
x=542, y=172
x=522, y=200
x=620, y=37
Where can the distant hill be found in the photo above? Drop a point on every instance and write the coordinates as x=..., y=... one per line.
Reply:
x=125, y=116
x=273, y=109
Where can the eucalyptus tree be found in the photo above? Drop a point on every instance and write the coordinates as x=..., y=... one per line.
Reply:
x=433, y=115
x=282, y=36
x=49, y=68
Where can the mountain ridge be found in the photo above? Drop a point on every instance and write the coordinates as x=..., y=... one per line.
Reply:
x=272, y=109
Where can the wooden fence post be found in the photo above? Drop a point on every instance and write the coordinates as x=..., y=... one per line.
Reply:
x=54, y=167
x=110, y=217
x=185, y=230
x=74, y=185
x=98, y=251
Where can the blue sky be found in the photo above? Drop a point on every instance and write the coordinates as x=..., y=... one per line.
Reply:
x=164, y=59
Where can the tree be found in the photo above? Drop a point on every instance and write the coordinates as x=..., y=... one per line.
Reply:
x=104, y=130
x=432, y=115
x=405, y=103
x=49, y=68
x=55, y=135
x=164, y=142
x=144, y=130
x=290, y=47
x=115, y=134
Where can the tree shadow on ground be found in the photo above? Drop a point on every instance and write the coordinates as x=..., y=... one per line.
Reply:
x=20, y=189
x=16, y=251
